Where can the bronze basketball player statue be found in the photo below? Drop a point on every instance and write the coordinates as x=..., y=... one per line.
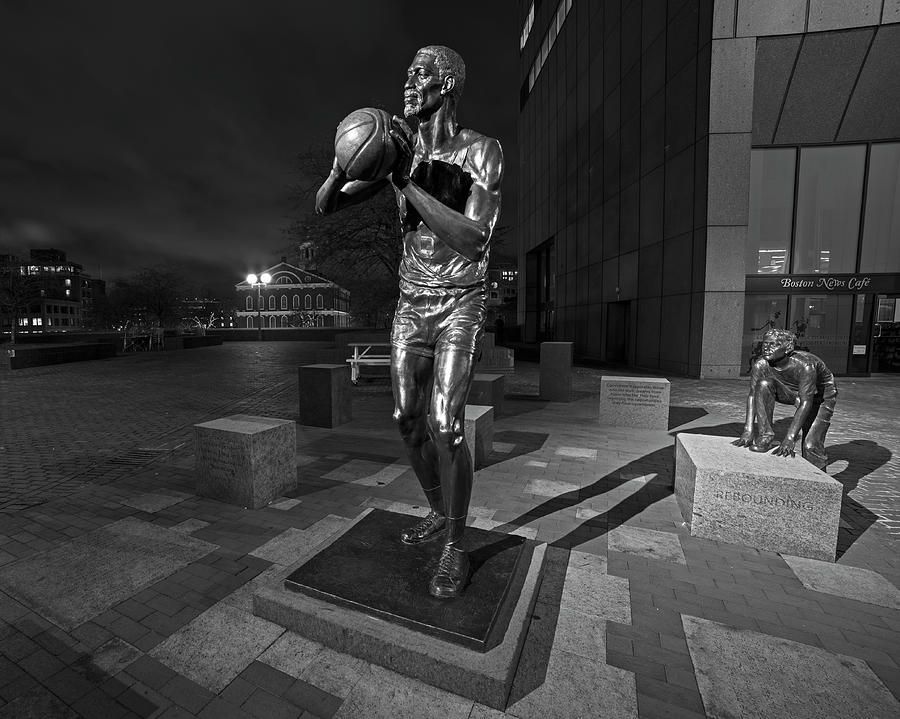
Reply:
x=789, y=376
x=447, y=182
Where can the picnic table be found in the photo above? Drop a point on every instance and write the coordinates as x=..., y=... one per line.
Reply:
x=372, y=354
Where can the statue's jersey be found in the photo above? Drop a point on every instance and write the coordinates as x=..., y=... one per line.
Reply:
x=807, y=376
x=427, y=260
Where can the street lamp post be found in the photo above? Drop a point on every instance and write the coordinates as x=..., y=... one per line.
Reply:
x=259, y=282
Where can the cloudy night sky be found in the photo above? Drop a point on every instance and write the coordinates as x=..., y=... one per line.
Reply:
x=133, y=133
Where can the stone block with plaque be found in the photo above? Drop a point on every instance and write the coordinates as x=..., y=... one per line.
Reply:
x=245, y=460
x=779, y=504
x=488, y=389
x=556, y=371
x=326, y=398
x=479, y=432
x=640, y=402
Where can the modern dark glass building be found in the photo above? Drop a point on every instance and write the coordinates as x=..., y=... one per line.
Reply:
x=693, y=172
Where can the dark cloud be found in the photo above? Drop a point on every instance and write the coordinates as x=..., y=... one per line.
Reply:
x=141, y=131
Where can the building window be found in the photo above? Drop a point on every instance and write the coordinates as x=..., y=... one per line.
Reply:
x=829, y=200
x=320, y=302
x=881, y=223
x=284, y=302
x=771, y=210
x=307, y=302
x=284, y=320
x=249, y=302
x=296, y=302
x=68, y=293
x=273, y=322
x=249, y=323
x=68, y=283
x=556, y=24
x=526, y=28
x=271, y=302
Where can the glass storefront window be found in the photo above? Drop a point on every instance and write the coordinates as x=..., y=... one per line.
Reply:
x=822, y=326
x=761, y=313
x=829, y=199
x=771, y=210
x=881, y=225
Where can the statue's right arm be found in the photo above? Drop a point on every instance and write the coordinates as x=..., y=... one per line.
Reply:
x=746, y=438
x=337, y=192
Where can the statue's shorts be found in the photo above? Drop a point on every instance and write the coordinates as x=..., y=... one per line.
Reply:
x=433, y=320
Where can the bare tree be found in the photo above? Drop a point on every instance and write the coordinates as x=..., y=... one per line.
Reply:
x=19, y=291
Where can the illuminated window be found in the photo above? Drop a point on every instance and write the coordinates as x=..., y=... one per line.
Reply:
x=68, y=293
x=271, y=302
x=562, y=10
x=68, y=283
x=284, y=302
x=526, y=28
x=249, y=302
x=307, y=302
x=296, y=302
x=320, y=302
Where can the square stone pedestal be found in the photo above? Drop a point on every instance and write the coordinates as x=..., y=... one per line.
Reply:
x=779, y=504
x=556, y=371
x=365, y=593
x=488, y=389
x=245, y=460
x=325, y=395
x=641, y=402
x=479, y=433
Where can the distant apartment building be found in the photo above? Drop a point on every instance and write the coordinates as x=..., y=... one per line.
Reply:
x=295, y=297
x=42, y=293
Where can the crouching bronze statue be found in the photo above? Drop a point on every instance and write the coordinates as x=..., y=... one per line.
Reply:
x=794, y=377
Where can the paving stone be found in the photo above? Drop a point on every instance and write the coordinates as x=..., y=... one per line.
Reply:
x=647, y=543
x=216, y=646
x=384, y=693
x=78, y=580
x=732, y=665
x=857, y=583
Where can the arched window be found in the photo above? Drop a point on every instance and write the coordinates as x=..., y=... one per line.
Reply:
x=249, y=323
x=271, y=302
x=320, y=302
x=296, y=302
x=284, y=302
x=283, y=280
x=273, y=321
x=307, y=302
x=249, y=302
x=284, y=320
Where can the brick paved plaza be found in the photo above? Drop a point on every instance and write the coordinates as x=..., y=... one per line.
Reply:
x=123, y=593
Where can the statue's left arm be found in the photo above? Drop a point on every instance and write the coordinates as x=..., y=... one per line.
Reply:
x=468, y=233
x=806, y=381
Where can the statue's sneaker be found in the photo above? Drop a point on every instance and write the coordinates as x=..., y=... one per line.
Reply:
x=452, y=574
x=428, y=528
x=764, y=443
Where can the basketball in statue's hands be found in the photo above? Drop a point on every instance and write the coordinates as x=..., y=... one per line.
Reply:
x=363, y=144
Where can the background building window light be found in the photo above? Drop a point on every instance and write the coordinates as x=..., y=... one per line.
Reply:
x=553, y=31
x=526, y=28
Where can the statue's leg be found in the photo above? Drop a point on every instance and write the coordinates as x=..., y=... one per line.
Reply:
x=814, y=436
x=411, y=381
x=764, y=410
x=452, y=378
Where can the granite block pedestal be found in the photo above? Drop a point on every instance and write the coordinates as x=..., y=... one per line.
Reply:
x=479, y=432
x=488, y=389
x=325, y=395
x=641, y=402
x=779, y=504
x=245, y=460
x=365, y=593
x=556, y=371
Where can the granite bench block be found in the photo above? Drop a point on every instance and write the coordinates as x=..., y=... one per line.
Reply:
x=479, y=433
x=778, y=504
x=488, y=389
x=245, y=460
x=556, y=371
x=641, y=402
x=326, y=398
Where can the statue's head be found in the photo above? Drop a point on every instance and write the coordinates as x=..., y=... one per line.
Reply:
x=437, y=75
x=777, y=344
